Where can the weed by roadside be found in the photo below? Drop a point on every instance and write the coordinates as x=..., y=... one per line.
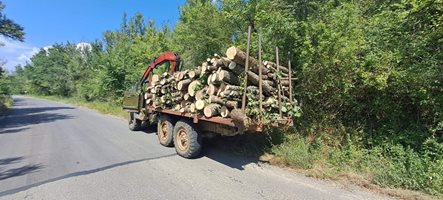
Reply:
x=5, y=103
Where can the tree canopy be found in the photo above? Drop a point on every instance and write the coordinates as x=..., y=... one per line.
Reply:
x=9, y=28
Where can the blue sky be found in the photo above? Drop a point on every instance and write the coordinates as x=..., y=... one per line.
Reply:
x=56, y=21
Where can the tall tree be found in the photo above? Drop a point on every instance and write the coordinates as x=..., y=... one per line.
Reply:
x=9, y=28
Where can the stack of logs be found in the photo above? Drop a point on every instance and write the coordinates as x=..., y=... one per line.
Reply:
x=214, y=88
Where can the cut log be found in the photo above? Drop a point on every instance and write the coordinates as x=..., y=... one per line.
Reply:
x=200, y=95
x=193, y=87
x=221, y=88
x=274, y=66
x=192, y=108
x=239, y=56
x=209, y=80
x=204, y=68
x=193, y=74
x=212, y=90
x=224, y=112
x=231, y=94
x=183, y=85
x=240, y=120
x=227, y=77
x=186, y=97
x=228, y=103
x=200, y=104
x=212, y=67
x=233, y=88
x=185, y=103
x=211, y=110
x=176, y=107
x=267, y=89
x=214, y=79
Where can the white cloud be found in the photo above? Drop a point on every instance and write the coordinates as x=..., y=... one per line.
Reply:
x=15, y=53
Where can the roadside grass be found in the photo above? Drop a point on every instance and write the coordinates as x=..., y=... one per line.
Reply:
x=390, y=168
x=100, y=106
x=5, y=103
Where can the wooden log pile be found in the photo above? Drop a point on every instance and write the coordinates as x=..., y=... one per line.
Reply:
x=214, y=88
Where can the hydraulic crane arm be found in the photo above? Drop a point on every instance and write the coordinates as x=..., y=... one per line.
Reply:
x=171, y=57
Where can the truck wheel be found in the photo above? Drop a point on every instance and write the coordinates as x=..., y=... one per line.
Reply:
x=165, y=130
x=187, y=141
x=134, y=123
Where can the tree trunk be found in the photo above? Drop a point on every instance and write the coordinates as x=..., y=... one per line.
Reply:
x=211, y=110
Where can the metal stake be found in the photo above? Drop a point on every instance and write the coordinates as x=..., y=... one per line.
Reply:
x=243, y=102
x=278, y=85
x=260, y=82
x=290, y=77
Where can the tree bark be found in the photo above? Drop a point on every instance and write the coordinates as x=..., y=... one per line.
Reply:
x=238, y=56
x=267, y=89
x=227, y=77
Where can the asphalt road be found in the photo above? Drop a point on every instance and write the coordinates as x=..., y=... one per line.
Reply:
x=50, y=150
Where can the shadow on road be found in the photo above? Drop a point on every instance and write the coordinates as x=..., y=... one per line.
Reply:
x=19, y=117
x=8, y=161
x=10, y=173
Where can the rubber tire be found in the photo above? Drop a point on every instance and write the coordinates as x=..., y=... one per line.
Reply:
x=194, y=140
x=133, y=123
x=169, y=123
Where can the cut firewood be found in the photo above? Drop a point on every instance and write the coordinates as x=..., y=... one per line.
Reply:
x=211, y=110
x=200, y=95
x=272, y=65
x=192, y=108
x=182, y=85
x=200, y=104
x=239, y=56
x=228, y=103
x=240, y=120
x=192, y=88
x=267, y=89
x=224, y=112
x=212, y=89
x=227, y=77
x=194, y=73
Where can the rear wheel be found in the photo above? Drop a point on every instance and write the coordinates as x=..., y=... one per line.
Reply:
x=134, y=123
x=187, y=142
x=165, y=130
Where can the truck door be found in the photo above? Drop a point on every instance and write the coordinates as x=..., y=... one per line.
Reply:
x=132, y=99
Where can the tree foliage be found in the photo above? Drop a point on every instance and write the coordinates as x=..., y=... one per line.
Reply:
x=9, y=28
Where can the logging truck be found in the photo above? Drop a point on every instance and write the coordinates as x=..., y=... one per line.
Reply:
x=190, y=105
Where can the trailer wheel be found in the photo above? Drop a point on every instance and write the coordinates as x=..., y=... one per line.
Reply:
x=134, y=123
x=165, y=130
x=187, y=141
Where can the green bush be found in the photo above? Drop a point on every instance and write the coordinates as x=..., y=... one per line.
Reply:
x=390, y=165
